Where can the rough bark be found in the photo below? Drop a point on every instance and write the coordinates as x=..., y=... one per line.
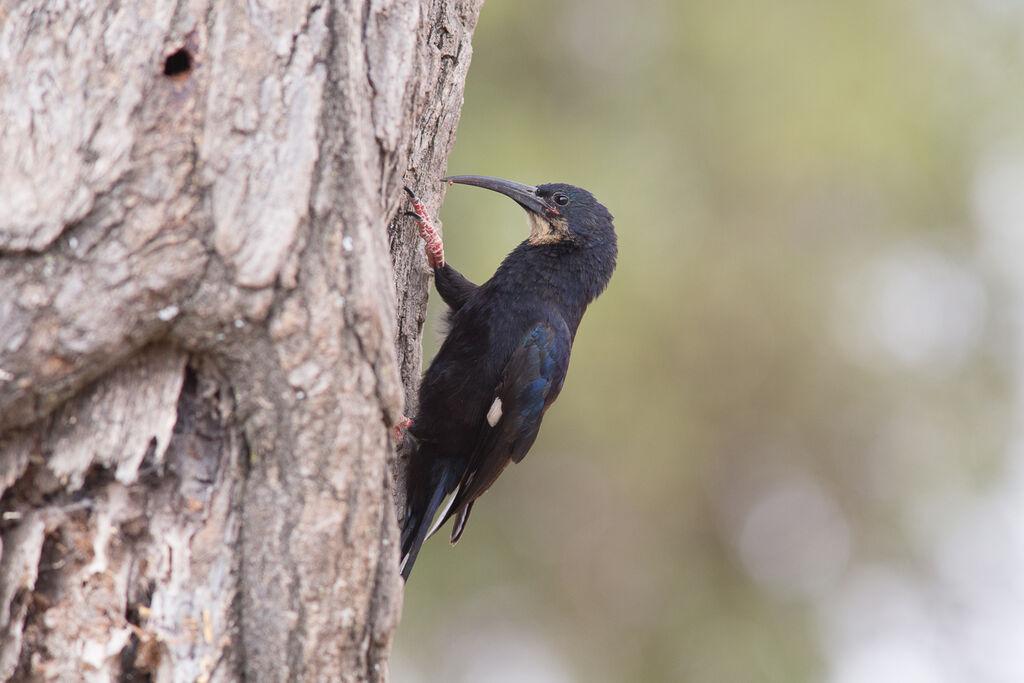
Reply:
x=201, y=345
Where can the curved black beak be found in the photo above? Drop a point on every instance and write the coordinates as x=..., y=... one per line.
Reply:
x=524, y=195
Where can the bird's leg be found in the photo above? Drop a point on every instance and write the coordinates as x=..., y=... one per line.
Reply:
x=399, y=429
x=435, y=249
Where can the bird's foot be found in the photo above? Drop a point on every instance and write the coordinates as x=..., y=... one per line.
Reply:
x=401, y=428
x=430, y=235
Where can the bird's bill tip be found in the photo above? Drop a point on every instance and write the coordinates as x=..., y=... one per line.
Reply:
x=524, y=195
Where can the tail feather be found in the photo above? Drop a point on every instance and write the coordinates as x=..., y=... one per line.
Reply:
x=418, y=516
x=442, y=517
x=459, y=525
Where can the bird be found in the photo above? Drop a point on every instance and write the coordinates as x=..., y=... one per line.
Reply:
x=506, y=353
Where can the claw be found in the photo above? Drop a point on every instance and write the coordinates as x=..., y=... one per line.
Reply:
x=399, y=429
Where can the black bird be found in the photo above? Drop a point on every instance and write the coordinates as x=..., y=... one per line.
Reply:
x=504, y=359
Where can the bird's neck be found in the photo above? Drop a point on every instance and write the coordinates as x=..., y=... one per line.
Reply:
x=566, y=276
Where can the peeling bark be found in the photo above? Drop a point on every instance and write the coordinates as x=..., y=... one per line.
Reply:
x=203, y=340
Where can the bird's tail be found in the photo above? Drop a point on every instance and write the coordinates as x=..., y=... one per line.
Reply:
x=425, y=494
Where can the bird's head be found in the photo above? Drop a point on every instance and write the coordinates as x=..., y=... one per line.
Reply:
x=558, y=213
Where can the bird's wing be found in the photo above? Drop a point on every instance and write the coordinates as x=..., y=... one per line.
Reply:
x=530, y=383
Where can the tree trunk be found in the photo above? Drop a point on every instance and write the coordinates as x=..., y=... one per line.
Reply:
x=201, y=348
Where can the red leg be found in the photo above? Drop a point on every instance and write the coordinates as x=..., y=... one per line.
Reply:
x=435, y=248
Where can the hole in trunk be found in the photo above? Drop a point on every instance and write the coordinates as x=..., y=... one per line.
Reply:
x=178, y=63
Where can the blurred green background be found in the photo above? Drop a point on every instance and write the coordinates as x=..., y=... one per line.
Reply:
x=791, y=442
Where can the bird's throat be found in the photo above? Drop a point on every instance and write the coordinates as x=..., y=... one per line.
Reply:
x=546, y=230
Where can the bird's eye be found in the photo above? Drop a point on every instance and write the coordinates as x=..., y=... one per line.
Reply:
x=561, y=199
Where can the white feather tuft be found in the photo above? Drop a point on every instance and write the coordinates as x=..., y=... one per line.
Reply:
x=494, y=414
